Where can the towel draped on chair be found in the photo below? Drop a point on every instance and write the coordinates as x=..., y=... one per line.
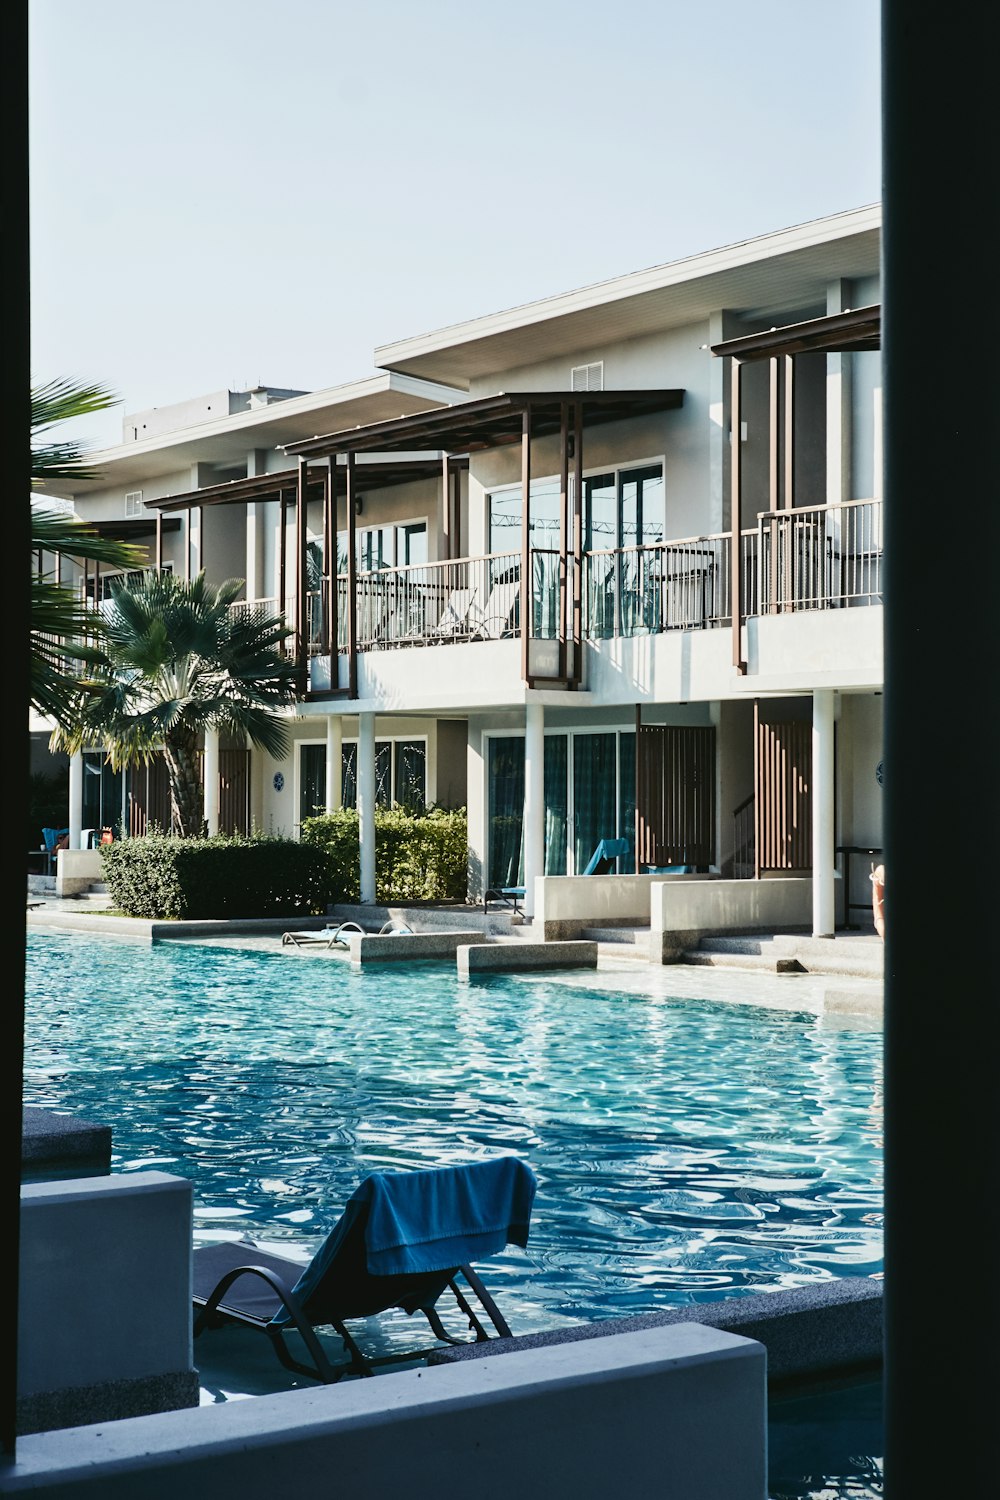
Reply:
x=425, y=1221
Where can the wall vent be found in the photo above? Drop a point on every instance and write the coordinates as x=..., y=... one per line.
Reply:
x=133, y=503
x=588, y=377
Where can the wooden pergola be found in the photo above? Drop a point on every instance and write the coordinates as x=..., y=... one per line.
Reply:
x=456, y=432
x=838, y=333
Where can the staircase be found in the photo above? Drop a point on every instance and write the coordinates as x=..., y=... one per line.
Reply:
x=42, y=892
x=848, y=955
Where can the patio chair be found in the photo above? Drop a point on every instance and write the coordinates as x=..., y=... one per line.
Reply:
x=602, y=860
x=403, y=1240
x=326, y=937
x=497, y=617
x=456, y=618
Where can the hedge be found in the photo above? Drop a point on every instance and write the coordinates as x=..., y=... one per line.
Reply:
x=222, y=877
x=418, y=856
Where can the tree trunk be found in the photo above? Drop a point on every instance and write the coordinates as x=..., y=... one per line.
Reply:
x=187, y=799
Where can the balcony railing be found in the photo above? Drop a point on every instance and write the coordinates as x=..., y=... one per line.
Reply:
x=815, y=557
x=820, y=557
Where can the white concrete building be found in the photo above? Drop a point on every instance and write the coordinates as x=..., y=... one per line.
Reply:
x=605, y=566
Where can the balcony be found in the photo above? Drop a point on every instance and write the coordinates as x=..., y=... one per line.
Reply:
x=807, y=560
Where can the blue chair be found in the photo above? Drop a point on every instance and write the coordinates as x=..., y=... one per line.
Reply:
x=403, y=1240
x=53, y=837
x=603, y=858
x=669, y=869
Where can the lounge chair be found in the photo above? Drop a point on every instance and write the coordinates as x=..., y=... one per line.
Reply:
x=602, y=860
x=455, y=622
x=327, y=937
x=497, y=617
x=403, y=1240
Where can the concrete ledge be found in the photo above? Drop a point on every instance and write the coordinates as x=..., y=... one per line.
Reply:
x=826, y=1329
x=679, y=1413
x=372, y=948
x=104, y=1307
x=482, y=958
x=62, y=1146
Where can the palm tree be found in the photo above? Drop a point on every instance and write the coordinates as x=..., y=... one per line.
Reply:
x=177, y=660
x=61, y=622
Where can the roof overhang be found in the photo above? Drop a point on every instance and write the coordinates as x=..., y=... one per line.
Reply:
x=838, y=333
x=227, y=441
x=491, y=422
x=762, y=279
x=377, y=474
x=130, y=530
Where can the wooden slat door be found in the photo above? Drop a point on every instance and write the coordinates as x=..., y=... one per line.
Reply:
x=675, y=795
x=782, y=795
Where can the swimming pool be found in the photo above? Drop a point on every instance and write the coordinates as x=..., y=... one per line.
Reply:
x=685, y=1149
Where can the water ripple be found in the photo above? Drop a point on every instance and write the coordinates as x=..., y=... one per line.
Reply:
x=686, y=1149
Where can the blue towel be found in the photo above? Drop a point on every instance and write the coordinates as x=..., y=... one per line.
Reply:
x=448, y=1216
x=430, y=1220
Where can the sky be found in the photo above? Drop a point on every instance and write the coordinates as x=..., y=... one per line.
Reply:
x=226, y=193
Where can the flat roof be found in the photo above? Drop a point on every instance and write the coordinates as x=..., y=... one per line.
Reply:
x=757, y=278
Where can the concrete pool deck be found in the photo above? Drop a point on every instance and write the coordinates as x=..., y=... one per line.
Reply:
x=829, y=990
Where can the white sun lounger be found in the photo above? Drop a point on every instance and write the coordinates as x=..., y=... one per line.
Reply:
x=327, y=937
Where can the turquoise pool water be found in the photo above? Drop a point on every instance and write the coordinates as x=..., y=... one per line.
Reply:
x=685, y=1149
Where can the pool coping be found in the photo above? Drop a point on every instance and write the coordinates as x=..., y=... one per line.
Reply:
x=822, y=1330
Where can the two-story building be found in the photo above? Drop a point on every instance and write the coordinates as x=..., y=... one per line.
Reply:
x=605, y=566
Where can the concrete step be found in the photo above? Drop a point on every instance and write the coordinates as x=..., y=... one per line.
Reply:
x=857, y=956
x=617, y=935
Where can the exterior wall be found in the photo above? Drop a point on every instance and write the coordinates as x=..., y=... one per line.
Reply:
x=681, y=439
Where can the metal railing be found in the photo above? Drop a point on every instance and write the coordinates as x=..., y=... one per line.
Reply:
x=681, y=585
x=815, y=557
x=819, y=557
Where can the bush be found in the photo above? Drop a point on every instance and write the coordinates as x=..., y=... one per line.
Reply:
x=223, y=877
x=419, y=856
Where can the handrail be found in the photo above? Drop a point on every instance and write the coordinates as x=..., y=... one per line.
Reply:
x=811, y=557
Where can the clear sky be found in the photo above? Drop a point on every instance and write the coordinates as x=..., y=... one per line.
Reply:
x=233, y=192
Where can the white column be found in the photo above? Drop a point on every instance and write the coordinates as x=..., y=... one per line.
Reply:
x=211, y=780
x=366, y=803
x=75, y=800
x=334, y=763
x=533, y=831
x=824, y=909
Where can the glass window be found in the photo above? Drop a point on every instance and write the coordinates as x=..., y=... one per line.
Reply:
x=556, y=803
x=411, y=545
x=312, y=781
x=505, y=513
x=102, y=793
x=411, y=775
x=643, y=513
x=595, y=800
x=600, y=513
x=385, y=547
x=626, y=798
x=400, y=774
x=505, y=811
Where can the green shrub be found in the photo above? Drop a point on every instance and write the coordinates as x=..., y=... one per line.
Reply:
x=222, y=878
x=418, y=856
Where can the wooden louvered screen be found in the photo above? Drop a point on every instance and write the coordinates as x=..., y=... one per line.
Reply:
x=149, y=798
x=783, y=796
x=234, y=791
x=675, y=795
x=149, y=794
